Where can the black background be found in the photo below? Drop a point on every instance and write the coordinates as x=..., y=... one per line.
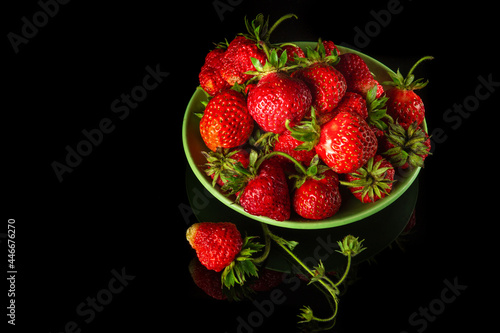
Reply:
x=119, y=208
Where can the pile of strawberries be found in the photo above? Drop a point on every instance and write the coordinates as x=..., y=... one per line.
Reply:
x=286, y=127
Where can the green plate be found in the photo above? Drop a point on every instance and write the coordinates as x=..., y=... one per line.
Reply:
x=352, y=210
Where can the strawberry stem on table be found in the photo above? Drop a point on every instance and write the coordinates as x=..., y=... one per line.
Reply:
x=350, y=246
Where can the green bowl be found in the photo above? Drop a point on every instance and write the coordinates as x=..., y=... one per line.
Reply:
x=352, y=210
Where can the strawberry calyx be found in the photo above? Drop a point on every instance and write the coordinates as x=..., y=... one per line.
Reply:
x=408, y=83
x=243, y=265
x=273, y=64
x=318, y=55
x=314, y=171
x=307, y=131
x=409, y=146
x=370, y=180
x=377, y=111
x=220, y=161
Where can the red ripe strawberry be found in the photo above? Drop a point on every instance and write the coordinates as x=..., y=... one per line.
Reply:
x=216, y=244
x=327, y=84
x=292, y=51
x=286, y=143
x=236, y=61
x=219, y=247
x=405, y=148
x=267, y=193
x=346, y=142
x=210, y=78
x=404, y=105
x=276, y=99
x=371, y=182
x=330, y=47
x=353, y=102
x=226, y=122
x=318, y=199
x=357, y=74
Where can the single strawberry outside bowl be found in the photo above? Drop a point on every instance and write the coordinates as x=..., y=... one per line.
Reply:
x=352, y=210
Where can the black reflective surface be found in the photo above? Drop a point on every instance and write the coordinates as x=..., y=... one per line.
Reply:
x=95, y=175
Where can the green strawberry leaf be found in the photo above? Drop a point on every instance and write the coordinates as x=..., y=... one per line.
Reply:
x=242, y=267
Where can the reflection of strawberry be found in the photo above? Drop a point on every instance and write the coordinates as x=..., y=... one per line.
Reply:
x=268, y=279
x=207, y=280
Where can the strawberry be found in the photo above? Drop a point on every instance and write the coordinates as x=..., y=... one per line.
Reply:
x=346, y=142
x=267, y=193
x=277, y=97
x=237, y=60
x=262, y=188
x=286, y=143
x=210, y=78
x=327, y=84
x=317, y=198
x=292, y=51
x=226, y=122
x=406, y=148
x=404, y=105
x=219, y=247
x=357, y=74
x=355, y=103
x=371, y=182
x=216, y=244
x=330, y=47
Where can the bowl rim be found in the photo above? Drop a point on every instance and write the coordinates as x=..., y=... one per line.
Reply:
x=371, y=208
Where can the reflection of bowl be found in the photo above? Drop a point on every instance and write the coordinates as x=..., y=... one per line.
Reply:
x=352, y=210
x=378, y=230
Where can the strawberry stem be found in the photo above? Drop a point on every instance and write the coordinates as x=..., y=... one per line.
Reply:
x=349, y=246
x=418, y=62
x=277, y=23
x=279, y=153
x=267, y=248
